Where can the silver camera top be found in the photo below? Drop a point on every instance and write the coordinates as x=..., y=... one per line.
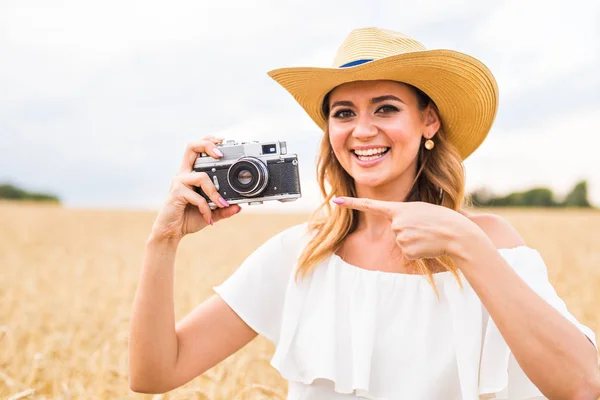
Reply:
x=232, y=151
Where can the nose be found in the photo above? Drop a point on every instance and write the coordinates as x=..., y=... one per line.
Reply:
x=364, y=129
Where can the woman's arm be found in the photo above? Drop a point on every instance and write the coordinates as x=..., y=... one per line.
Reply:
x=553, y=352
x=152, y=338
x=163, y=356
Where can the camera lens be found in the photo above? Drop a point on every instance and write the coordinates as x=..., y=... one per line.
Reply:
x=248, y=176
x=244, y=177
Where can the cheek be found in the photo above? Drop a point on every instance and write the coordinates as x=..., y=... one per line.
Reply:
x=400, y=132
x=337, y=138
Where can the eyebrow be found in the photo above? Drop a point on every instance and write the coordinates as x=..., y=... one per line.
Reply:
x=374, y=100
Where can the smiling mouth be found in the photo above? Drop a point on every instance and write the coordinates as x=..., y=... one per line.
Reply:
x=371, y=154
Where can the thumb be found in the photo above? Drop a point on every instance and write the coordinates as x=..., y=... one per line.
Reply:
x=223, y=213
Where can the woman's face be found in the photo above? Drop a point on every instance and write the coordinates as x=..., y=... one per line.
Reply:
x=375, y=130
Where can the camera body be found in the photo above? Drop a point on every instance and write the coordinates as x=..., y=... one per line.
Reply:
x=251, y=172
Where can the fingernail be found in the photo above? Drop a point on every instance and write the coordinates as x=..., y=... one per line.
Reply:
x=223, y=202
x=211, y=221
x=217, y=152
x=338, y=201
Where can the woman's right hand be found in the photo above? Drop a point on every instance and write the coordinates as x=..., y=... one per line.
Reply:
x=186, y=211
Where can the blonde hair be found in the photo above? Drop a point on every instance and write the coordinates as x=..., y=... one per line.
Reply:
x=440, y=180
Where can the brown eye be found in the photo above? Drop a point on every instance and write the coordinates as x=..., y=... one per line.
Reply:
x=343, y=114
x=387, y=109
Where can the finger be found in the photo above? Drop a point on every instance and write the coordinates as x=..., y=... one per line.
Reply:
x=406, y=237
x=194, y=198
x=202, y=180
x=412, y=251
x=194, y=149
x=226, y=212
x=385, y=208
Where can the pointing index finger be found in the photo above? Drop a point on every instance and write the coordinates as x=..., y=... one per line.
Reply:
x=380, y=207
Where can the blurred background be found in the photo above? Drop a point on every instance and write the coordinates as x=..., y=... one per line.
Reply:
x=98, y=100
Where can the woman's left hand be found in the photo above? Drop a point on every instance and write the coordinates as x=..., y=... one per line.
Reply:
x=422, y=230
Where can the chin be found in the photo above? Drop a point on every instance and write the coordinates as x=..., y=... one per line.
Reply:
x=369, y=180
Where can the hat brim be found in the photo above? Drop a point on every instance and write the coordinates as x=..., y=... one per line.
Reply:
x=461, y=86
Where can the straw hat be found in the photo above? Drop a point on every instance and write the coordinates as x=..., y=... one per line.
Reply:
x=461, y=86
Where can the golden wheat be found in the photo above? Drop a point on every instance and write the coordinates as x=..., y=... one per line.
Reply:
x=67, y=280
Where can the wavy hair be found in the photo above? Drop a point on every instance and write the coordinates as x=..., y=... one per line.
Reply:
x=440, y=180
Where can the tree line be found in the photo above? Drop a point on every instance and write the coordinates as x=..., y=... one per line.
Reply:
x=536, y=197
x=11, y=192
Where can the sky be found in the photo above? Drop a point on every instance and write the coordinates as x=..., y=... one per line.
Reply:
x=98, y=99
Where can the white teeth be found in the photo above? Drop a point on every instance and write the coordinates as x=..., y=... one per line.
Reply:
x=369, y=158
x=370, y=152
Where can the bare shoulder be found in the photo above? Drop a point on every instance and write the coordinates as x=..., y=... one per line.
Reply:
x=497, y=229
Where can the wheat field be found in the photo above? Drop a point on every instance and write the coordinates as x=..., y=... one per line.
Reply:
x=68, y=277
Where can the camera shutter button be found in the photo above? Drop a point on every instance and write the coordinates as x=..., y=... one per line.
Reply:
x=216, y=182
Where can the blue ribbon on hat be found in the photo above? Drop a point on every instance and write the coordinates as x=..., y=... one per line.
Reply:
x=354, y=63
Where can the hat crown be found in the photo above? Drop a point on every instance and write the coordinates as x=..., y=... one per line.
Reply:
x=373, y=44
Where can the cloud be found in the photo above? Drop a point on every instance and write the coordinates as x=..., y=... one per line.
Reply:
x=539, y=42
x=99, y=99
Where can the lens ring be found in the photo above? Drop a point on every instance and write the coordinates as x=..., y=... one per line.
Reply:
x=258, y=170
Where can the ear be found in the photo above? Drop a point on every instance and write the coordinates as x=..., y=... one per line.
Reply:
x=432, y=122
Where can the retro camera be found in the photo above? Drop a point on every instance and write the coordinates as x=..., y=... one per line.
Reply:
x=251, y=172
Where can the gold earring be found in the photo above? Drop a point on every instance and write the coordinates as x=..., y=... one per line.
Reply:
x=429, y=144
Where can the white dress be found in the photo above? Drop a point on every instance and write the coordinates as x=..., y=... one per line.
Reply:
x=345, y=332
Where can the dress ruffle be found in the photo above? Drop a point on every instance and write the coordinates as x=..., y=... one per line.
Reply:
x=344, y=358
x=347, y=298
x=343, y=351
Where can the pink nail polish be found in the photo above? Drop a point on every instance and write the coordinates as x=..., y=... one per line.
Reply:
x=211, y=222
x=338, y=201
x=218, y=152
x=223, y=202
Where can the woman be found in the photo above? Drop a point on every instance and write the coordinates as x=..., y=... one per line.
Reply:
x=392, y=291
